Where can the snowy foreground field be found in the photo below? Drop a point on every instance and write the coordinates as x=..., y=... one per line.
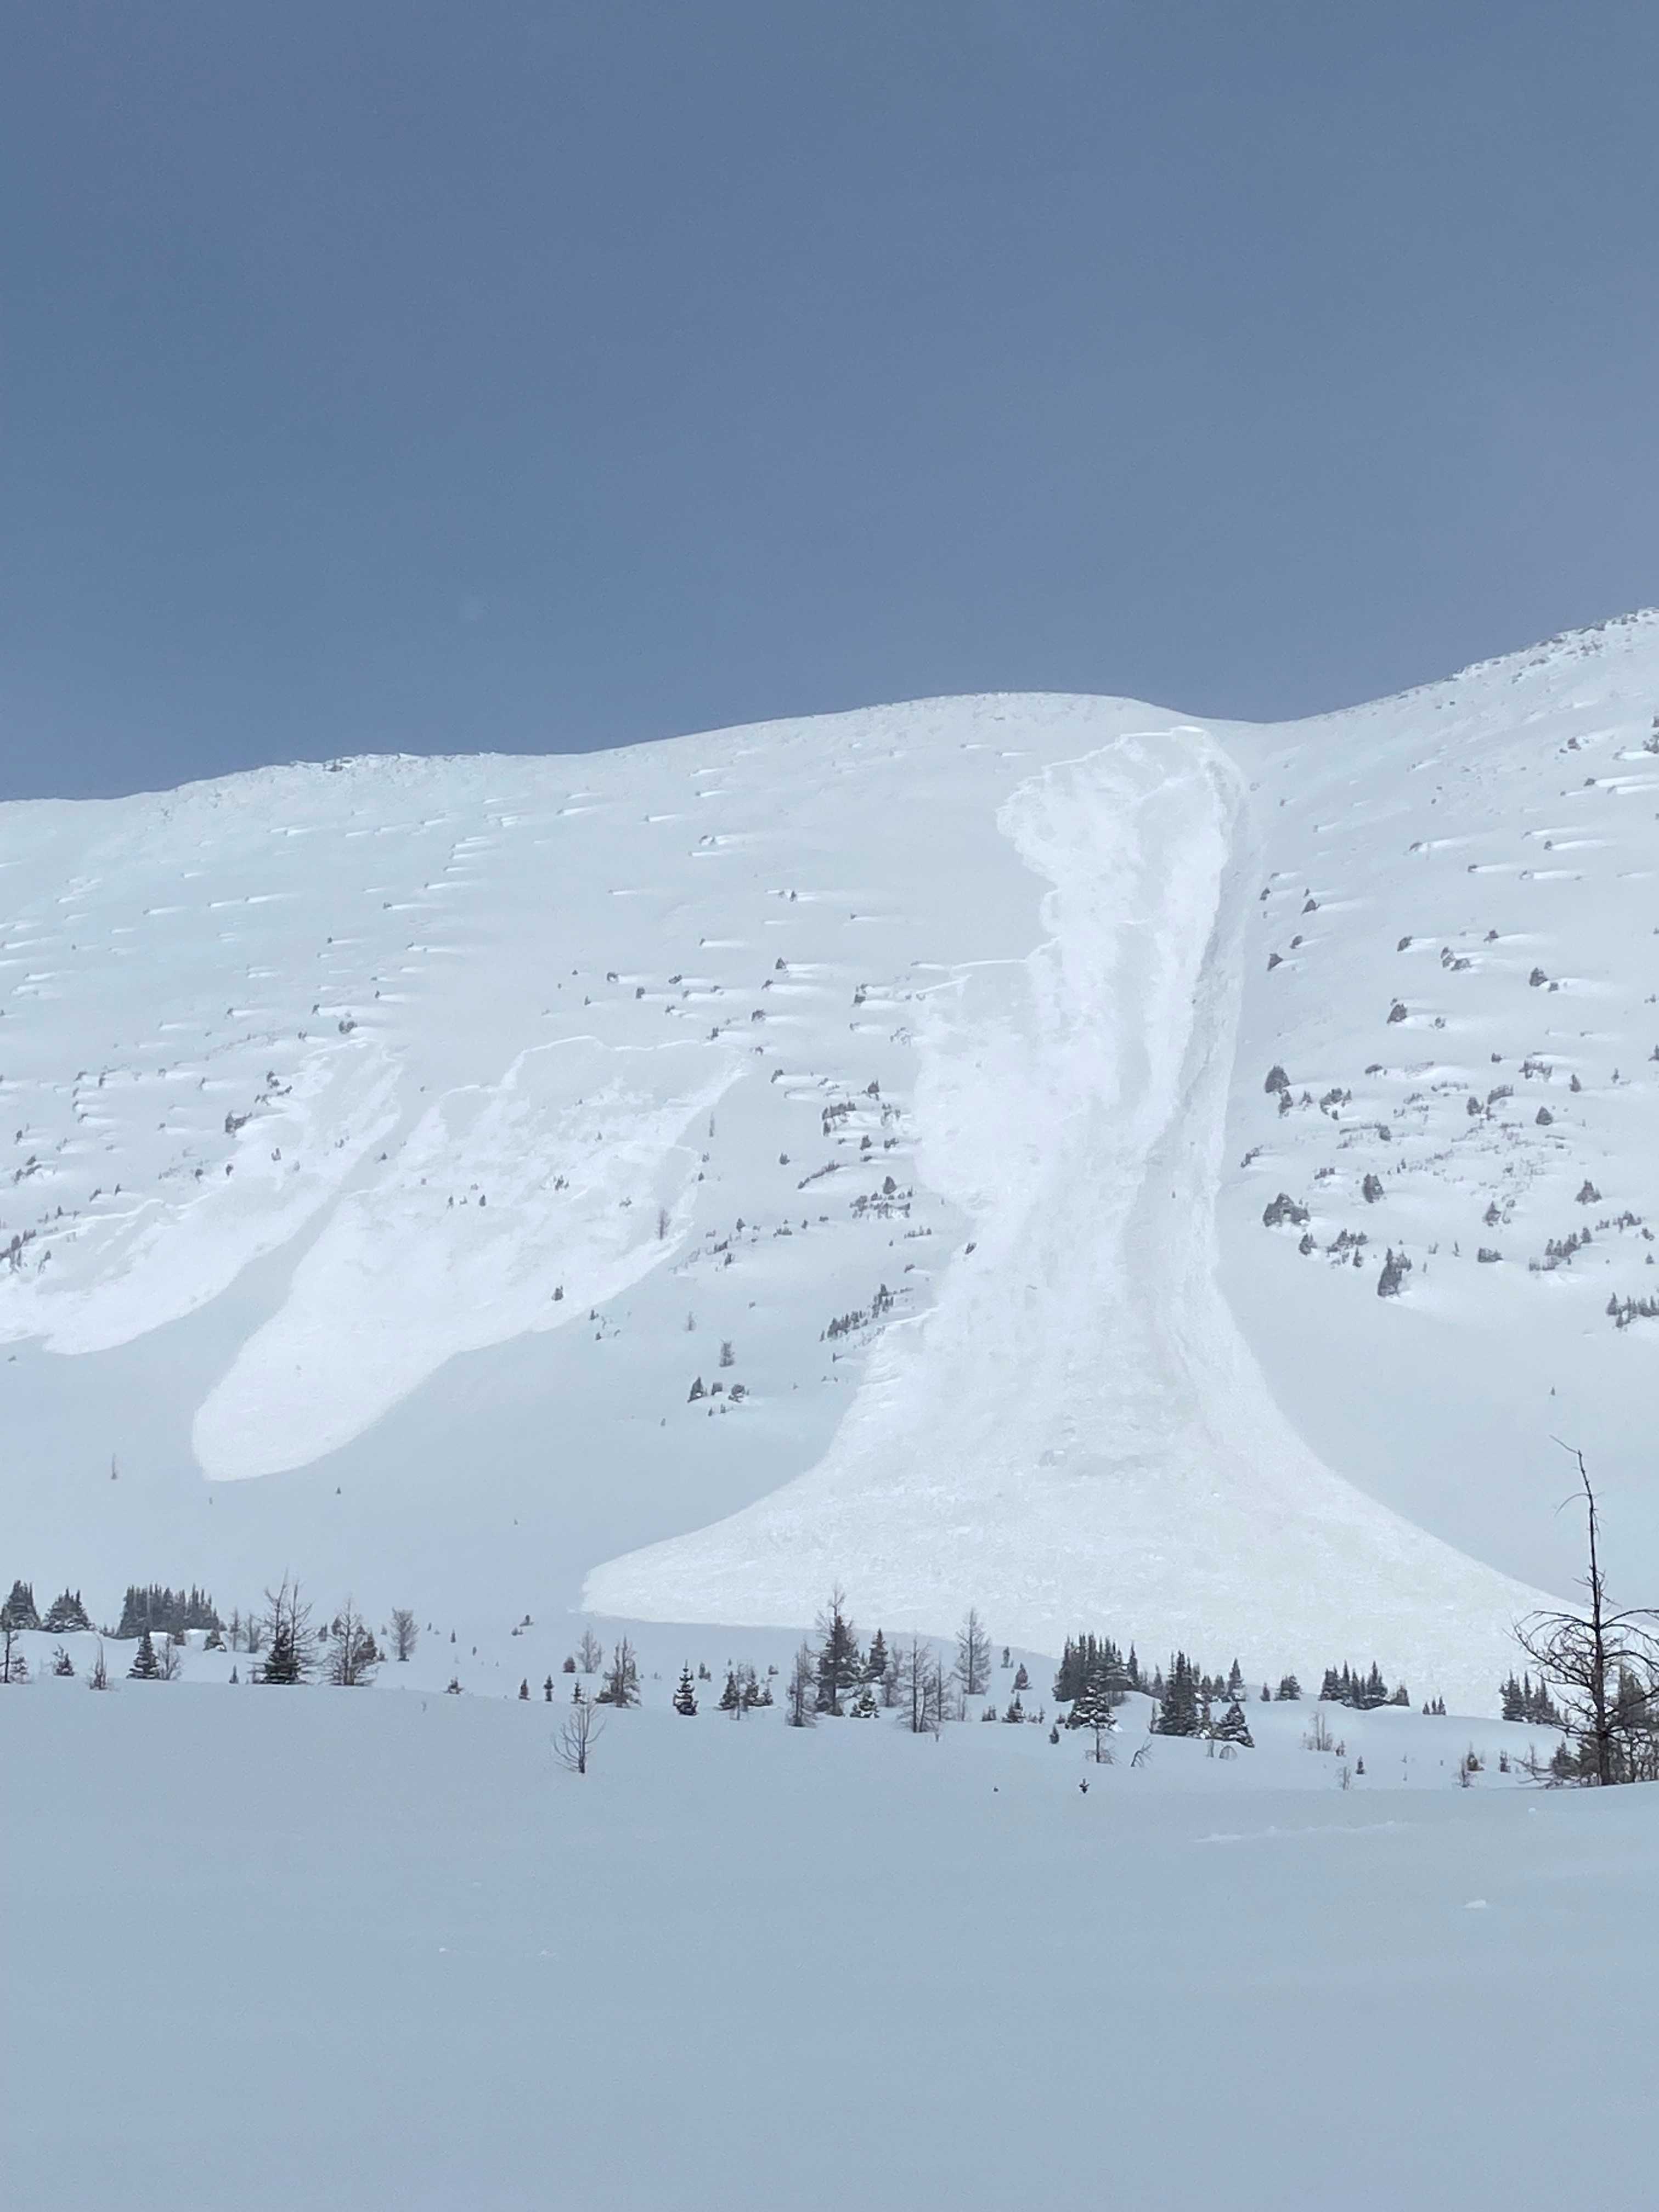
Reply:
x=363, y=1952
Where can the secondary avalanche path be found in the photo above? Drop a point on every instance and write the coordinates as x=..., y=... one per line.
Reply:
x=1075, y=1433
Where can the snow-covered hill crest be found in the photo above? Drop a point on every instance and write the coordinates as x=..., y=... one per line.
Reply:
x=854, y=1138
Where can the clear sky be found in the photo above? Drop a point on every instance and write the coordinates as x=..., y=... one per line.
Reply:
x=387, y=375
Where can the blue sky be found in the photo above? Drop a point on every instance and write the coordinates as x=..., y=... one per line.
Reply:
x=381, y=375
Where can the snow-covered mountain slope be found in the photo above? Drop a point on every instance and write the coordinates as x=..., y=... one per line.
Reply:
x=812, y=1152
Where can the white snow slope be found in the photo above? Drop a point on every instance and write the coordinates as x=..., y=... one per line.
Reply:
x=414, y=1135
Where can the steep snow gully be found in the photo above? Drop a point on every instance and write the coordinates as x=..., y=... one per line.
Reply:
x=1077, y=1430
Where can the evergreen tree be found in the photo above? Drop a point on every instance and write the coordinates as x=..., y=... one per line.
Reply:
x=1235, y=1682
x=61, y=1662
x=685, y=1697
x=164, y=1611
x=838, y=1662
x=18, y=1611
x=524, y=1688
x=1022, y=1679
x=730, y=1699
x=863, y=1707
x=547, y=1690
x=67, y=1616
x=145, y=1666
x=1069, y=1678
x=875, y=1666
x=1178, y=1708
x=973, y=1667
x=288, y=1644
x=1233, y=1728
x=1092, y=1708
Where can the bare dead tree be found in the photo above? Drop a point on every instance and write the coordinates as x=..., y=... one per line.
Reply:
x=352, y=1653
x=589, y=1652
x=287, y=1627
x=404, y=1634
x=801, y=1697
x=1605, y=1662
x=621, y=1677
x=921, y=1688
x=579, y=1730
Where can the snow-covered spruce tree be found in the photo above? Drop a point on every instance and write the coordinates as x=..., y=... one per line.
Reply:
x=973, y=1667
x=1092, y=1707
x=18, y=1611
x=875, y=1664
x=67, y=1615
x=1233, y=1728
x=685, y=1697
x=146, y=1667
x=1093, y=1710
x=621, y=1685
x=1022, y=1679
x=838, y=1664
x=1289, y=1691
x=1178, y=1711
x=62, y=1664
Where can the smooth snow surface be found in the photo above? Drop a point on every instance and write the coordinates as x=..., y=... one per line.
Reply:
x=267, y=1948
x=837, y=1151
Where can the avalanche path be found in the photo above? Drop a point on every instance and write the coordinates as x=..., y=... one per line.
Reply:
x=1076, y=1431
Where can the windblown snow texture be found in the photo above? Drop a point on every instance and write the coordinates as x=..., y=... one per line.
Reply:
x=418, y=1136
